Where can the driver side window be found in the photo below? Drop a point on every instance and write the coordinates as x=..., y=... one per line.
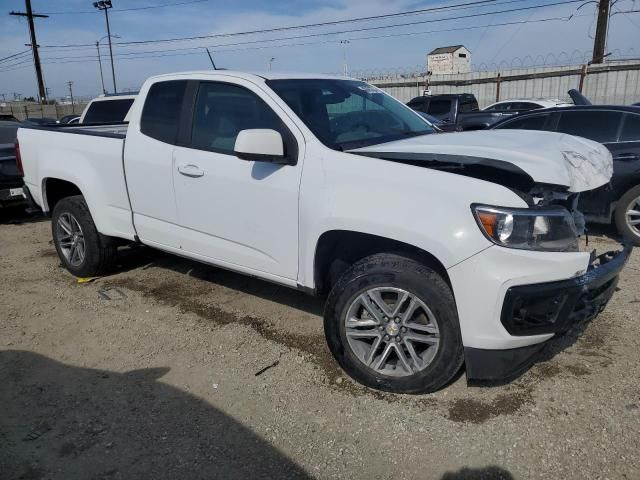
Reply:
x=223, y=110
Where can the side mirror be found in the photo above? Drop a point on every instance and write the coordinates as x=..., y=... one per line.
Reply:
x=260, y=145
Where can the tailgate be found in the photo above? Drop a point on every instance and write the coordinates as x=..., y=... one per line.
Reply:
x=9, y=175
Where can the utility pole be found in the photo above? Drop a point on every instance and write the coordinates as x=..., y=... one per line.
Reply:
x=4, y=96
x=600, y=42
x=106, y=5
x=100, y=65
x=271, y=60
x=34, y=45
x=70, y=84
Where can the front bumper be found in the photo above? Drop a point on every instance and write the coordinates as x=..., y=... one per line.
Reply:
x=547, y=308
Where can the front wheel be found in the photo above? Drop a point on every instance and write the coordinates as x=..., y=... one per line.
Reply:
x=391, y=323
x=627, y=216
x=82, y=250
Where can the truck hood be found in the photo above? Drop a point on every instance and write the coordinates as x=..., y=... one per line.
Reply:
x=542, y=157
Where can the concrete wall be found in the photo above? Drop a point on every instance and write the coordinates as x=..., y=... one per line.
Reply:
x=22, y=110
x=614, y=83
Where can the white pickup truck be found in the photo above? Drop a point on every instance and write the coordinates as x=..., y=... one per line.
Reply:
x=436, y=250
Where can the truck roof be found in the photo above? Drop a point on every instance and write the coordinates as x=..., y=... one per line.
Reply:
x=252, y=75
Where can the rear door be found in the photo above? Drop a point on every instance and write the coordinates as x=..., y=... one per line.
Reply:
x=238, y=213
x=148, y=163
x=602, y=126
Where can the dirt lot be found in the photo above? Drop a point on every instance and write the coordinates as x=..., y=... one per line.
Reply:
x=158, y=371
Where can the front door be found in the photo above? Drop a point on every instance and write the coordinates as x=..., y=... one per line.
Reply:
x=237, y=213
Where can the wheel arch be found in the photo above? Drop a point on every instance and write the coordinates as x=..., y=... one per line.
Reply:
x=55, y=189
x=337, y=250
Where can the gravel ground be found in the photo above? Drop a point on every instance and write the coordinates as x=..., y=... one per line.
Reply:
x=171, y=369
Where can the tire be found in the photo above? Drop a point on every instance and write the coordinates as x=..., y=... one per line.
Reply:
x=71, y=222
x=630, y=201
x=385, y=277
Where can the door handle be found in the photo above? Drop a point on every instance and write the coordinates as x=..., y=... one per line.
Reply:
x=190, y=170
x=627, y=156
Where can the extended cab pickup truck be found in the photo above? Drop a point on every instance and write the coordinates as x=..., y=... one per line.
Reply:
x=435, y=250
x=459, y=109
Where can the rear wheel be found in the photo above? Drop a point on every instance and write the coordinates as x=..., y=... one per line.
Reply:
x=391, y=323
x=82, y=250
x=627, y=216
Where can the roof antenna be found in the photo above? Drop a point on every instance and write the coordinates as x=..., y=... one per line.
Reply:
x=211, y=58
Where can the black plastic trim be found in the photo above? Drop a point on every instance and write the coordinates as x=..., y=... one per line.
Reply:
x=499, y=365
x=258, y=157
x=584, y=296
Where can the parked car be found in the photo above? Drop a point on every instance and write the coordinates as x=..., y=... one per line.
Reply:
x=8, y=117
x=439, y=125
x=525, y=105
x=10, y=178
x=617, y=128
x=436, y=250
x=107, y=109
x=460, y=110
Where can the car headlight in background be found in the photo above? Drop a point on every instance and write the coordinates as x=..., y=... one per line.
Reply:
x=545, y=229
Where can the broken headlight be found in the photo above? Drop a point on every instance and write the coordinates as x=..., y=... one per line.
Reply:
x=546, y=229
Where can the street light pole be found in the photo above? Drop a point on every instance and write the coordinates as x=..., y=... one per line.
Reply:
x=271, y=60
x=106, y=5
x=345, y=66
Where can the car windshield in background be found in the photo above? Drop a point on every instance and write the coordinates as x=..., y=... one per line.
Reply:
x=108, y=111
x=346, y=114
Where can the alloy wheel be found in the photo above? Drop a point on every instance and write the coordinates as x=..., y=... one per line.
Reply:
x=392, y=331
x=70, y=239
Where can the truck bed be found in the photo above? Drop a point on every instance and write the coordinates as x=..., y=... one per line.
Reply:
x=87, y=156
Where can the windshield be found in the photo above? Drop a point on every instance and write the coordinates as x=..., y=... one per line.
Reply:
x=346, y=114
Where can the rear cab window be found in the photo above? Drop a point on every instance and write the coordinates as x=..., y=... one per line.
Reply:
x=439, y=107
x=161, y=112
x=108, y=111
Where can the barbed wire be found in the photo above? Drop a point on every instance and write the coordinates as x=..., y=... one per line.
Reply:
x=562, y=59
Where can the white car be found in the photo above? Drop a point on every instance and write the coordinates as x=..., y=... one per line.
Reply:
x=435, y=250
x=107, y=109
x=525, y=105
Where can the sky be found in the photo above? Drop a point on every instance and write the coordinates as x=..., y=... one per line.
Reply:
x=547, y=33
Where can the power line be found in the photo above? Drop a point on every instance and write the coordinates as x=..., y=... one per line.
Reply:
x=148, y=7
x=15, y=55
x=163, y=53
x=363, y=29
x=159, y=54
x=133, y=44
x=321, y=24
x=197, y=49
